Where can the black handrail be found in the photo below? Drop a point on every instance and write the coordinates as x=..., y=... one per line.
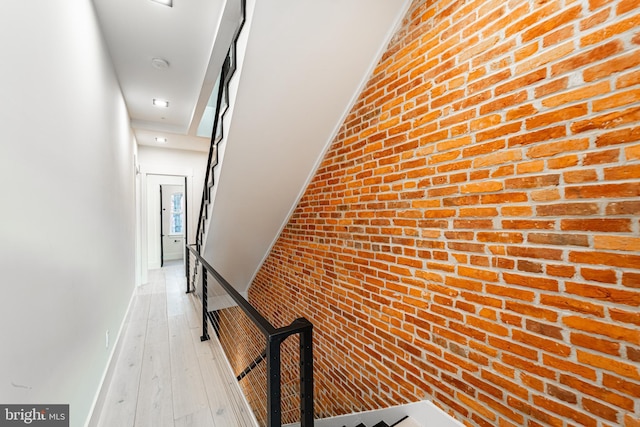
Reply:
x=274, y=337
x=209, y=170
x=263, y=324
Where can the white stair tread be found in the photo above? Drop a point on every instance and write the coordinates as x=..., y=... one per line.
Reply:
x=408, y=422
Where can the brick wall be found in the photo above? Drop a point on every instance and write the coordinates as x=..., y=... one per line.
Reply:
x=472, y=234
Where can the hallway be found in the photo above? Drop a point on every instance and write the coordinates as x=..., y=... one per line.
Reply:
x=164, y=375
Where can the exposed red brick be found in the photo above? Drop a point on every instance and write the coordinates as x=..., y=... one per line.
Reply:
x=602, y=411
x=471, y=234
x=631, y=280
x=610, y=396
x=564, y=410
x=573, y=305
x=610, y=225
x=597, y=275
x=588, y=57
x=621, y=136
x=617, y=27
x=601, y=328
x=625, y=387
x=593, y=343
x=579, y=94
x=564, y=395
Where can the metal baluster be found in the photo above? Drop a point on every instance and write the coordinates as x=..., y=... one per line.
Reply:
x=205, y=333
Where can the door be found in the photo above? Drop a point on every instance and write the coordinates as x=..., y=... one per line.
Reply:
x=172, y=223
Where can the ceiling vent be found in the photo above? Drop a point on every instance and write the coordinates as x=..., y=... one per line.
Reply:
x=160, y=64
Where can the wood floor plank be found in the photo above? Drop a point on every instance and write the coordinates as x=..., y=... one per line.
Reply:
x=188, y=389
x=197, y=419
x=121, y=400
x=177, y=302
x=225, y=398
x=157, y=332
x=158, y=308
x=155, y=399
x=157, y=325
x=194, y=314
x=164, y=375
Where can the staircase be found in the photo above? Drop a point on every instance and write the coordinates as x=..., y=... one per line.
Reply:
x=403, y=422
x=221, y=91
x=221, y=94
x=273, y=123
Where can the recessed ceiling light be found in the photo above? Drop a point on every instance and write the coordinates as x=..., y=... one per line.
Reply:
x=160, y=103
x=160, y=140
x=160, y=64
x=164, y=2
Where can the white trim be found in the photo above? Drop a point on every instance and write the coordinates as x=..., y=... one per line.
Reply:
x=101, y=394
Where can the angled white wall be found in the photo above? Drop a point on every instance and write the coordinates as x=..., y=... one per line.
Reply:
x=302, y=64
x=67, y=246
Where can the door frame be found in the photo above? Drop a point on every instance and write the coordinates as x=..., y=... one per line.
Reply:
x=161, y=229
x=165, y=190
x=189, y=235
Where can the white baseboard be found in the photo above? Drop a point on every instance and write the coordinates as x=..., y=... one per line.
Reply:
x=101, y=393
x=424, y=413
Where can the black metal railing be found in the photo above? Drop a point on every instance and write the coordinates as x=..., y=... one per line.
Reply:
x=272, y=344
x=253, y=365
x=222, y=105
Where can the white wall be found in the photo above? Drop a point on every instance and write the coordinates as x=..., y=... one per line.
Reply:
x=168, y=163
x=67, y=226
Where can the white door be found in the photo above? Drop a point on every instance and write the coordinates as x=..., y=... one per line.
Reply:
x=172, y=222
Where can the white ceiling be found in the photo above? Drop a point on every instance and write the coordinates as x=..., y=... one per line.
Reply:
x=136, y=31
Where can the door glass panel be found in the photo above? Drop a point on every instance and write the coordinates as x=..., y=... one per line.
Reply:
x=176, y=213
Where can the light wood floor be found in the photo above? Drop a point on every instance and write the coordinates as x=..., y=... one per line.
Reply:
x=164, y=375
